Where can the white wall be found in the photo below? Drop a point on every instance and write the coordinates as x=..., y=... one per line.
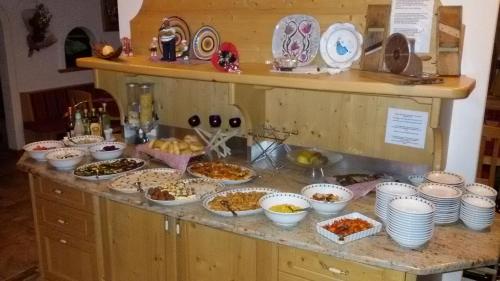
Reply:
x=127, y=9
x=462, y=119
x=480, y=18
x=41, y=70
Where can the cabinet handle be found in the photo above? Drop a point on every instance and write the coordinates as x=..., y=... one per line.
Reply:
x=338, y=271
x=57, y=191
x=333, y=269
x=177, y=229
x=61, y=221
x=62, y=241
x=166, y=225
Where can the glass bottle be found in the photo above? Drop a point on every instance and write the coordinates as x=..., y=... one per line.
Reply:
x=106, y=121
x=95, y=125
x=78, y=128
x=100, y=115
x=133, y=104
x=70, y=125
x=86, y=122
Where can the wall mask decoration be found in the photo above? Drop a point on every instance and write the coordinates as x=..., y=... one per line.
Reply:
x=37, y=22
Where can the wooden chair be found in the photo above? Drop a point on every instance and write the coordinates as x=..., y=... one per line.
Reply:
x=488, y=155
x=78, y=96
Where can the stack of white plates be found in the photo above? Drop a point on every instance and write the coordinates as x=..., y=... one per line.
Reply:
x=446, y=199
x=386, y=191
x=443, y=177
x=410, y=221
x=477, y=212
x=481, y=190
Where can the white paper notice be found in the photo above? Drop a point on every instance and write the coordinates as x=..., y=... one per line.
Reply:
x=413, y=18
x=406, y=127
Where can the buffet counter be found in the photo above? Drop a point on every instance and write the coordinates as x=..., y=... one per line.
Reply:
x=453, y=247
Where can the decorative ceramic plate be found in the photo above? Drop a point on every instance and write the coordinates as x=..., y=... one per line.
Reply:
x=108, y=169
x=222, y=172
x=182, y=31
x=148, y=178
x=205, y=42
x=296, y=36
x=191, y=189
x=341, y=45
x=254, y=210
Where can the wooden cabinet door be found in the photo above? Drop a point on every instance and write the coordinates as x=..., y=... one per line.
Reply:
x=65, y=258
x=208, y=254
x=134, y=243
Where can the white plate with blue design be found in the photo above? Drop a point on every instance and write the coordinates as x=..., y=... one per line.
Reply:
x=341, y=45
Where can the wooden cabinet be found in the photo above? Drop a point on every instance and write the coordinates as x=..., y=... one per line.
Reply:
x=65, y=220
x=297, y=265
x=67, y=258
x=136, y=244
x=208, y=254
x=99, y=239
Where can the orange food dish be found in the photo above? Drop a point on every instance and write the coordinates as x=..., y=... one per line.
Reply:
x=217, y=170
x=344, y=227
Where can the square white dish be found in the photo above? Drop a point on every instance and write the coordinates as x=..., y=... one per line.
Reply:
x=376, y=228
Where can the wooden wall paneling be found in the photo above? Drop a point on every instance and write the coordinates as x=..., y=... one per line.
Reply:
x=235, y=20
x=344, y=123
x=449, y=40
x=376, y=31
x=250, y=101
x=183, y=98
x=134, y=241
x=177, y=99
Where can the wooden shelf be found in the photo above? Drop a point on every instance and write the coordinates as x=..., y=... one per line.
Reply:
x=257, y=74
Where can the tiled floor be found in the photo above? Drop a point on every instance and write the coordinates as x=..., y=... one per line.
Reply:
x=18, y=252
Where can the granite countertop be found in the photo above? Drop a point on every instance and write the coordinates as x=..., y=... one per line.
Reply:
x=453, y=247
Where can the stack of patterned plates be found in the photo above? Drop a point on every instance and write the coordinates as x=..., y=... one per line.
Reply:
x=443, y=177
x=410, y=221
x=481, y=190
x=386, y=191
x=477, y=212
x=446, y=199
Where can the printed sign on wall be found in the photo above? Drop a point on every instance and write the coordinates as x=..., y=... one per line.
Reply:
x=406, y=127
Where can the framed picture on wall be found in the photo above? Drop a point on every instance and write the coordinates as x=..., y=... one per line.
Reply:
x=109, y=15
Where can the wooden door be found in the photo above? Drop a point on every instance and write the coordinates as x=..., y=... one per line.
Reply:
x=208, y=254
x=135, y=243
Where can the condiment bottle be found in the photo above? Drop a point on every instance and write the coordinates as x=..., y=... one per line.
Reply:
x=70, y=125
x=78, y=129
x=106, y=121
x=95, y=125
x=86, y=122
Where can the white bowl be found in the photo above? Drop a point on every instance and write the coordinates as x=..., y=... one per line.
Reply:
x=323, y=207
x=284, y=219
x=482, y=190
x=99, y=154
x=65, y=158
x=39, y=154
x=443, y=177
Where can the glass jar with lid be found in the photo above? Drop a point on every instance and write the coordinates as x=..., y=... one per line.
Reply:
x=146, y=105
x=133, y=104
